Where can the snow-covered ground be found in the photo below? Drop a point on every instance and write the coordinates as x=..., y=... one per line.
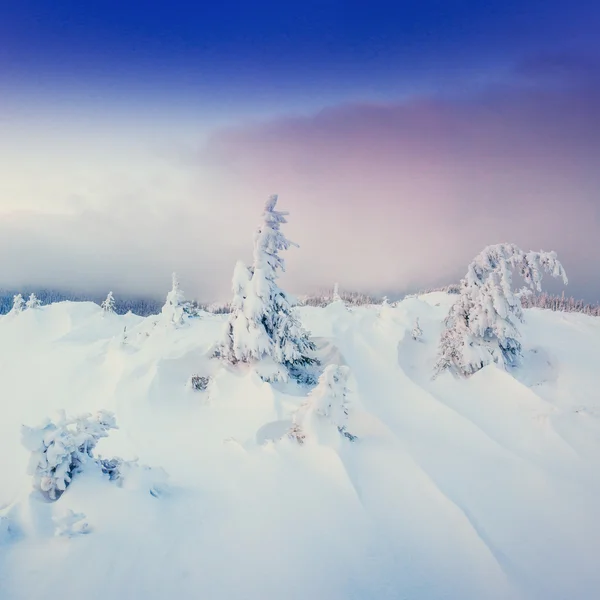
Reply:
x=486, y=488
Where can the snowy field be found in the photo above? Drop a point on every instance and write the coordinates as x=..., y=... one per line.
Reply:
x=457, y=489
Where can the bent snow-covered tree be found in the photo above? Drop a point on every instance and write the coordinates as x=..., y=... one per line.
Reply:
x=481, y=327
x=263, y=326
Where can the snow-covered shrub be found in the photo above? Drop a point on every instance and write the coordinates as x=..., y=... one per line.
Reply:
x=59, y=449
x=417, y=332
x=70, y=524
x=328, y=402
x=33, y=301
x=18, y=304
x=481, y=327
x=129, y=474
x=199, y=382
x=263, y=324
x=108, y=306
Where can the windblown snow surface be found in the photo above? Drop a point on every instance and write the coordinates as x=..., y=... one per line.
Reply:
x=455, y=489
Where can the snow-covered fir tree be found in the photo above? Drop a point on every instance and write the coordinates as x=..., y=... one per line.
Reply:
x=18, y=304
x=108, y=306
x=327, y=403
x=174, y=309
x=33, y=301
x=263, y=326
x=417, y=332
x=482, y=326
x=59, y=449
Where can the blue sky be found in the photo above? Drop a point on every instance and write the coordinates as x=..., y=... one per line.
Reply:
x=257, y=55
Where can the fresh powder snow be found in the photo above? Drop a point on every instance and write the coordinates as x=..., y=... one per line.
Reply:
x=453, y=488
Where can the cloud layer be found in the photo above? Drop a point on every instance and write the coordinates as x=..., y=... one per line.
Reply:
x=383, y=197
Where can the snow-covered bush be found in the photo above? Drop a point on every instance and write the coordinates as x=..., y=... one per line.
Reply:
x=33, y=301
x=59, y=449
x=199, y=382
x=108, y=306
x=328, y=402
x=129, y=474
x=263, y=324
x=70, y=524
x=417, y=332
x=481, y=327
x=18, y=304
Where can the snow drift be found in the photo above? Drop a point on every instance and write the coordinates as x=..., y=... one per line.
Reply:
x=458, y=489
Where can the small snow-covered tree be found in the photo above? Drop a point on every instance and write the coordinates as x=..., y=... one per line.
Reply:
x=59, y=449
x=336, y=293
x=173, y=310
x=33, y=301
x=18, y=304
x=108, y=306
x=481, y=327
x=70, y=524
x=263, y=326
x=328, y=402
x=417, y=332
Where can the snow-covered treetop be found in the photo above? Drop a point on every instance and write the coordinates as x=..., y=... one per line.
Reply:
x=18, y=304
x=173, y=309
x=269, y=240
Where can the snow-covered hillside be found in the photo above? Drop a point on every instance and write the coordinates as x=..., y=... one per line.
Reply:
x=479, y=488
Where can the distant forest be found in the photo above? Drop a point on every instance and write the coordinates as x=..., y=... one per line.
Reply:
x=151, y=306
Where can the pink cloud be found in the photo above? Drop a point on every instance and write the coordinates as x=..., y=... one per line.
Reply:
x=400, y=195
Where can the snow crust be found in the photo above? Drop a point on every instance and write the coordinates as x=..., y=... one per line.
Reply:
x=484, y=488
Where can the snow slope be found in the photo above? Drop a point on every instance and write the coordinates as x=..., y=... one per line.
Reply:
x=476, y=489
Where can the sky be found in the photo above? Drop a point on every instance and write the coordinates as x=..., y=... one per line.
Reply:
x=403, y=137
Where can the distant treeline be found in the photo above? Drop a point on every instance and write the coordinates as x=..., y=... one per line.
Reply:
x=560, y=303
x=150, y=306
x=138, y=306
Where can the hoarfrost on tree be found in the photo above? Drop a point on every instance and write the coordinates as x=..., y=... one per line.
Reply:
x=482, y=326
x=108, y=306
x=18, y=304
x=60, y=448
x=263, y=325
x=33, y=302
